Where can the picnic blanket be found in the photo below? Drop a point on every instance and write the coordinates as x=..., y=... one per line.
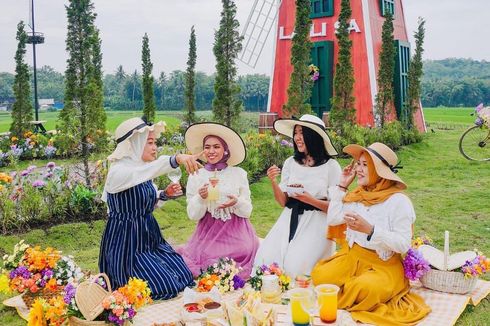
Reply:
x=446, y=307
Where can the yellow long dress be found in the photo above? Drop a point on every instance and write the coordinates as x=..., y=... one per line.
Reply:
x=372, y=290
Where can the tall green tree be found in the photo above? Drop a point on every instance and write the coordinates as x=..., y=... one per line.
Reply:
x=300, y=85
x=227, y=44
x=162, y=90
x=83, y=81
x=415, y=71
x=148, y=98
x=343, y=83
x=190, y=81
x=22, y=108
x=386, y=96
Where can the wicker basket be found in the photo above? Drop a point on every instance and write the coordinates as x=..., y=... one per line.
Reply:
x=74, y=321
x=30, y=297
x=89, y=297
x=447, y=281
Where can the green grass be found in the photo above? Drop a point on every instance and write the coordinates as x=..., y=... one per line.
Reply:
x=114, y=118
x=449, y=116
x=449, y=193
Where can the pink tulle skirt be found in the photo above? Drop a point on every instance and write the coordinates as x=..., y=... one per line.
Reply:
x=214, y=239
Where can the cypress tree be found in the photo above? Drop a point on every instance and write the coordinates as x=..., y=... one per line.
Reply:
x=162, y=84
x=227, y=44
x=343, y=101
x=415, y=71
x=22, y=108
x=82, y=119
x=148, y=98
x=190, y=81
x=385, y=96
x=300, y=85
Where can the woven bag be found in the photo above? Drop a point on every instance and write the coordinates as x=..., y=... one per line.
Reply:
x=448, y=281
x=89, y=297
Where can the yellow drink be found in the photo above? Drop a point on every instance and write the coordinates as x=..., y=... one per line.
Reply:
x=327, y=301
x=299, y=299
x=213, y=189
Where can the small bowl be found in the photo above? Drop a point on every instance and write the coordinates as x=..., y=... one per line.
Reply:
x=294, y=190
x=193, y=307
x=212, y=305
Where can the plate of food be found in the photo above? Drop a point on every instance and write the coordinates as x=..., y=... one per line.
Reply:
x=295, y=188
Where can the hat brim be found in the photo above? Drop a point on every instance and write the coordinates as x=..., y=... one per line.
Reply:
x=195, y=134
x=381, y=169
x=286, y=127
x=123, y=148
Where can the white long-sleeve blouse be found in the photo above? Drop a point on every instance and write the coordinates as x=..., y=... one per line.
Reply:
x=232, y=181
x=392, y=220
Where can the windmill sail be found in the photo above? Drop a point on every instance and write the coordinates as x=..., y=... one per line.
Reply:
x=257, y=28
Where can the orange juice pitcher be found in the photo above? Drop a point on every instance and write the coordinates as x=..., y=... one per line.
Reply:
x=327, y=302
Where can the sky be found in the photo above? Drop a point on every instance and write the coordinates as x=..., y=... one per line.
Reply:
x=453, y=29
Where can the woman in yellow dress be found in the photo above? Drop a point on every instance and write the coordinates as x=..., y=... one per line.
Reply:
x=377, y=218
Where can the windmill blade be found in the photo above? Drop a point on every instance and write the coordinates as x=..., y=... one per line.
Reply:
x=257, y=28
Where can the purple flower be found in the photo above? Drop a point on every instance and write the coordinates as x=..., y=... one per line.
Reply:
x=48, y=175
x=70, y=291
x=238, y=282
x=21, y=271
x=24, y=173
x=51, y=165
x=49, y=151
x=42, y=283
x=47, y=273
x=131, y=313
x=31, y=168
x=115, y=320
x=415, y=265
x=38, y=184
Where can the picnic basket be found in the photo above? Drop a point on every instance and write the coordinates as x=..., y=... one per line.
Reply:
x=445, y=280
x=89, y=297
x=30, y=297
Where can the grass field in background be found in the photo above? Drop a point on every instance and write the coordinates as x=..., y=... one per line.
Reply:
x=448, y=192
x=114, y=118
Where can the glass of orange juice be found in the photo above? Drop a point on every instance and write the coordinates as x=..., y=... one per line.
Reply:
x=327, y=302
x=301, y=301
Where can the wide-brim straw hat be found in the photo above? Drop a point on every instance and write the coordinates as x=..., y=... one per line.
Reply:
x=384, y=158
x=286, y=128
x=128, y=129
x=195, y=134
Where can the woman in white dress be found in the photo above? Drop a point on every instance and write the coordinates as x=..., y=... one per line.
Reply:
x=298, y=238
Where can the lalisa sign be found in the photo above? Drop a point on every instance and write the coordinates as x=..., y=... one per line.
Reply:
x=353, y=27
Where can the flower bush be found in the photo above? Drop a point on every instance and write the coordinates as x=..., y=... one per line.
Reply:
x=272, y=269
x=314, y=72
x=32, y=269
x=222, y=274
x=44, y=195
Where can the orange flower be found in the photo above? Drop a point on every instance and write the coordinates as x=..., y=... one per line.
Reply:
x=51, y=285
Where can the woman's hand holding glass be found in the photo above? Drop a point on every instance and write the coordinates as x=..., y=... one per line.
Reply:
x=203, y=191
x=174, y=189
x=357, y=223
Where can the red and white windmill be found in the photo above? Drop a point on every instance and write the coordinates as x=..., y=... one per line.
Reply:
x=365, y=32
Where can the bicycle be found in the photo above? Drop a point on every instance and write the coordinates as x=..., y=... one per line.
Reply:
x=474, y=143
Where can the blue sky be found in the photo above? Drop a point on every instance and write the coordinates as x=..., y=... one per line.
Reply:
x=454, y=29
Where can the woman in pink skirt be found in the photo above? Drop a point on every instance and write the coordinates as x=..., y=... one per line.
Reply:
x=219, y=198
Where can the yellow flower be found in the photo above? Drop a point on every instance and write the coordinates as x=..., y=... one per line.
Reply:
x=4, y=283
x=36, y=314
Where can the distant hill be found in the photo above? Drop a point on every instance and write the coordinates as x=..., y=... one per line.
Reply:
x=456, y=68
x=455, y=82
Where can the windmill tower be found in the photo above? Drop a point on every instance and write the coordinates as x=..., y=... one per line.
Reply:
x=365, y=32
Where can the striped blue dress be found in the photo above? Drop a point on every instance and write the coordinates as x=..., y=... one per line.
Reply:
x=132, y=245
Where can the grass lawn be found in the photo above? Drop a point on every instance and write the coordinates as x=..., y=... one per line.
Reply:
x=449, y=193
x=114, y=118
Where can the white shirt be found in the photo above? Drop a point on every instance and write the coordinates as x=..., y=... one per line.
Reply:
x=392, y=220
x=232, y=181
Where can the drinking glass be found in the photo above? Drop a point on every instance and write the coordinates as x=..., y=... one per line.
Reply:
x=175, y=176
x=302, y=305
x=327, y=302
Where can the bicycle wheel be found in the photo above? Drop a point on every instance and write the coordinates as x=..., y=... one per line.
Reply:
x=474, y=144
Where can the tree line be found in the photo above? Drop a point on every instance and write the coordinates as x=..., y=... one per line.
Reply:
x=123, y=90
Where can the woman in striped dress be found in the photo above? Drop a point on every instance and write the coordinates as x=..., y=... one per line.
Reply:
x=132, y=245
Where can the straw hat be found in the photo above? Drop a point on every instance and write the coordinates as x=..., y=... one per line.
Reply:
x=127, y=129
x=195, y=134
x=286, y=128
x=385, y=160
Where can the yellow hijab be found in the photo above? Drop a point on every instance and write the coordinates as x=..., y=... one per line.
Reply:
x=375, y=192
